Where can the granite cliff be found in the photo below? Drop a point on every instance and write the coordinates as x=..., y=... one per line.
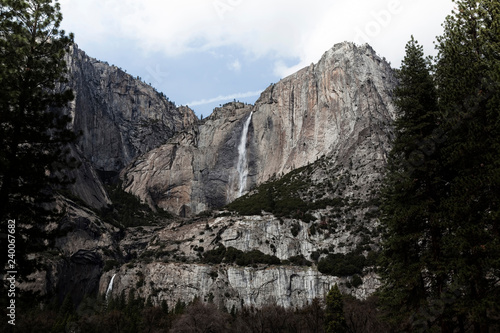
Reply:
x=171, y=264
x=340, y=107
x=300, y=169
x=118, y=117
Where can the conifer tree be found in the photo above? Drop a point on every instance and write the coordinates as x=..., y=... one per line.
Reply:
x=468, y=76
x=334, y=312
x=32, y=134
x=411, y=193
x=441, y=207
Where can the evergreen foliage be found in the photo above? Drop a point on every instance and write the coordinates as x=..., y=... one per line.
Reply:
x=232, y=255
x=339, y=264
x=440, y=264
x=128, y=211
x=334, y=312
x=299, y=260
x=135, y=314
x=468, y=77
x=284, y=197
x=410, y=196
x=33, y=135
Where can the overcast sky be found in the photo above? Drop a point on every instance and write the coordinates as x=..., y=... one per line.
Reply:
x=207, y=52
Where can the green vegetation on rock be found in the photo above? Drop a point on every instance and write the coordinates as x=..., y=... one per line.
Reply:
x=286, y=197
x=128, y=211
x=232, y=255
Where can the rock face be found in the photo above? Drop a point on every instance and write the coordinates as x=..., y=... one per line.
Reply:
x=194, y=171
x=119, y=116
x=267, y=234
x=74, y=266
x=224, y=285
x=168, y=264
x=335, y=108
x=333, y=117
x=327, y=108
x=87, y=185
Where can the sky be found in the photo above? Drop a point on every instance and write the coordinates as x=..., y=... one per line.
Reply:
x=203, y=53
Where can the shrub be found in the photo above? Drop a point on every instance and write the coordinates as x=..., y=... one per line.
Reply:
x=299, y=261
x=232, y=255
x=284, y=197
x=110, y=264
x=256, y=257
x=128, y=211
x=356, y=281
x=295, y=229
x=338, y=264
x=214, y=256
x=312, y=229
x=315, y=255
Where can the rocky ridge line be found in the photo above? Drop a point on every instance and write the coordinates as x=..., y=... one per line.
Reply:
x=330, y=108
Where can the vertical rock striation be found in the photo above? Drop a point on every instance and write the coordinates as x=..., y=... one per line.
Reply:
x=195, y=170
x=120, y=117
x=327, y=108
x=340, y=107
x=226, y=286
x=337, y=112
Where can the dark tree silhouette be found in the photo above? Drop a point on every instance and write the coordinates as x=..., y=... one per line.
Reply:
x=33, y=136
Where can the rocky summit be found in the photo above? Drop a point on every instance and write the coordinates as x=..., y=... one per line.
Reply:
x=255, y=204
x=340, y=108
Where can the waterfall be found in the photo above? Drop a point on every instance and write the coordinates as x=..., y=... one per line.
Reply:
x=110, y=286
x=242, y=166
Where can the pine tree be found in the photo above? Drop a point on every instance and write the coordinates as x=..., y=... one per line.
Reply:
x=440, y=266
x=411, y=194
x=33, y=134
x=334, y=312
x=468, y=76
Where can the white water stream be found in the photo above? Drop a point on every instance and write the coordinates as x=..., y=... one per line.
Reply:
x=242, y=166
x=110, y=286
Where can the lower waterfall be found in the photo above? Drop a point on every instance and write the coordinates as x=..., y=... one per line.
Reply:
x=110, y=286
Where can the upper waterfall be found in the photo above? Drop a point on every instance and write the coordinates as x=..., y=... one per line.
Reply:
x=242, y=166
x=323, y=110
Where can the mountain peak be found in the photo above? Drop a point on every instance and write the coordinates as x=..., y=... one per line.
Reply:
x=323, y=109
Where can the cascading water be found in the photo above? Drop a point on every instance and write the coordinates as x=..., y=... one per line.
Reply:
x=110, y=286
x=242, y=166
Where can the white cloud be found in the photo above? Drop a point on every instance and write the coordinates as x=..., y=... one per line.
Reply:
x=278, y=28
x=234, y=66
x=222, y=98
x=385, y=24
